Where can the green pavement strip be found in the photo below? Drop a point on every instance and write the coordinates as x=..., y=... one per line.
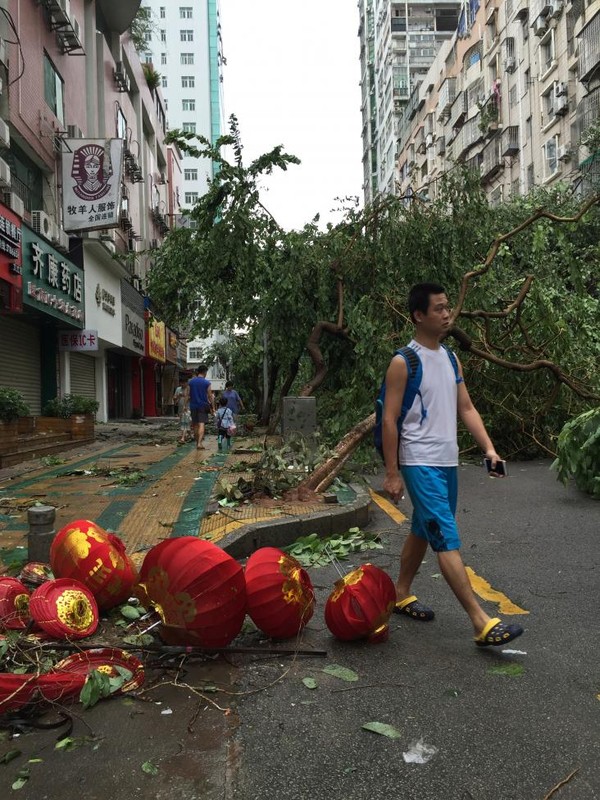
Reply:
x=196, y=500
x=116, y=511
x=55, y=472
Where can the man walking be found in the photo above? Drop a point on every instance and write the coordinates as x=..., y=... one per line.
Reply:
x=425, y=459
x=201, y=402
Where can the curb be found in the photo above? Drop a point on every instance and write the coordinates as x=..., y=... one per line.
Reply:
x=283, y=532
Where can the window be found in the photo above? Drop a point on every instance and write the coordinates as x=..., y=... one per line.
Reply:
x=186, y=35
x=148, y=36
x=188, y=81
x=188, y=127
x=526, y=81
x=512, y=96
x=53, y=89
x=121, y=124
x=547, y=52
x=195, y=354
x=547, y=106
x=190, y=174
x=550, y=150
x=185, y=12
x=147, y=58
x=187, y=59
x=163, y=35
x=162, y=12
x=191, y=197
x=164, y=81
x=188, y=105
x=529, y=128
x=163, y=59
x=530, y=177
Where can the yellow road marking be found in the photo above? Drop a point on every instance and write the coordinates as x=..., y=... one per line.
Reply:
x=389, y=508
x=482, y=588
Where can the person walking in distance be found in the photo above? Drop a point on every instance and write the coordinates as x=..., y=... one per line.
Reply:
x=180, y=403
x=201, y=402
x=424, y=458
x=234, y=401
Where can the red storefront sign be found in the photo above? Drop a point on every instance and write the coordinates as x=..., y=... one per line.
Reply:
x=11, y=280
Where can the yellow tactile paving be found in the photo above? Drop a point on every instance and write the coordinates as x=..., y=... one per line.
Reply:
x=152, y=517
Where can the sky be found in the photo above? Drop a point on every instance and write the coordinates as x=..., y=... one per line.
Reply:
x=292, y=78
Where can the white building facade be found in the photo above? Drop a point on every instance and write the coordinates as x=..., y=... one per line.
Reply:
x=184, y=47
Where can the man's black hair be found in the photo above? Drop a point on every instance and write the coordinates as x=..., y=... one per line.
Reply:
x=229, y=384
x=418, y=297
x=202, y=369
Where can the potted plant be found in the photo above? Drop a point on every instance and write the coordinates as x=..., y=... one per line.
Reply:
x=78, y=411
x=12, y=405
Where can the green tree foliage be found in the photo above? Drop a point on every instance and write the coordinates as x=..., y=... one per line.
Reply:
x=578, y=455
x=343, y=291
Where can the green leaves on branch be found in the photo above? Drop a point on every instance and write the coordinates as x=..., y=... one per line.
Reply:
x=578, y=454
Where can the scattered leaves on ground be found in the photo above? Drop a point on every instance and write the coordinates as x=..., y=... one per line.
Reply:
x=510, y=670
x=382, y=729
x=343, y=673
x=312, y=551
x=310, y=683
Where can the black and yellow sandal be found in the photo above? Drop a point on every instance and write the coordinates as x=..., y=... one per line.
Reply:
x=497, y=633
x=414, y=609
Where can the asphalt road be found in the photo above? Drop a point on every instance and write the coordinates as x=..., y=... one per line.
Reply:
x=497, y=736
x=264, y=734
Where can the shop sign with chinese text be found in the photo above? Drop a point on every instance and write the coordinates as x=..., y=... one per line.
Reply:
x=156, y=339
x=91, y=176
x=51, y=283
x=77, y=340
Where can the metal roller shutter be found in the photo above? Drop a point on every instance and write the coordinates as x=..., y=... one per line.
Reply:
x=83, y=375
x=20, y=360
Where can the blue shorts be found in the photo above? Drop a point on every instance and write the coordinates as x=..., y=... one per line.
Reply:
x=433, y=492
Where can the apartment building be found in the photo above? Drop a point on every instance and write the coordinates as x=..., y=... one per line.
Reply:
x=184, y=46
x=73, y=315
x=510, y=95
x=398, y=42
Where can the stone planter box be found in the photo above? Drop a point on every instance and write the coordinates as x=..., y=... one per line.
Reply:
x=79, y=426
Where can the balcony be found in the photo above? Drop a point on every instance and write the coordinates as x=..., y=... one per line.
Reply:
x=510, y=140
x=493, y=161
x=447, y=96
x=589, y=51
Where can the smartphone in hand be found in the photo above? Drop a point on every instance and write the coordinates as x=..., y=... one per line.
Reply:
x=500, y=470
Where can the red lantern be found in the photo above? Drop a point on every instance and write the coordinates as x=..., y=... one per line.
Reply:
x=87, y=553
x=14, y=604
x=64, y=608
x=106, y=660
x=35, y=573
x=195, y=586
x=280, y=594
x=360, y=605
x=17, y=691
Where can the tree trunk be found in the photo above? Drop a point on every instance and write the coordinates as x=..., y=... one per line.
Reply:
x=324, y=475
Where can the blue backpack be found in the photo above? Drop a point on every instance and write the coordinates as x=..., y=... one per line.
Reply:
x=412, y=390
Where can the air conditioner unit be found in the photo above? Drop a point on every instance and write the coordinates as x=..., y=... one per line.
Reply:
x=540, y=26
x=62, y=241
x=66, y=7
x=108, y=235
x=555, y=9
x=560, y=89
x=76, y=28
x=510, y=64
x=42, y=224
x=14, y=202
x=73, y=132
x=4, y=134
x=429, y=140
x=4, y=174
x=121, y=77
x=561, y=105
x=563, y=153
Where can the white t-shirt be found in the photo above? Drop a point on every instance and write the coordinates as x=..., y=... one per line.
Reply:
x=432, y=442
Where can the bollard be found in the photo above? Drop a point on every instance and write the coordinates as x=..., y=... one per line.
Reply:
x=41, y=532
